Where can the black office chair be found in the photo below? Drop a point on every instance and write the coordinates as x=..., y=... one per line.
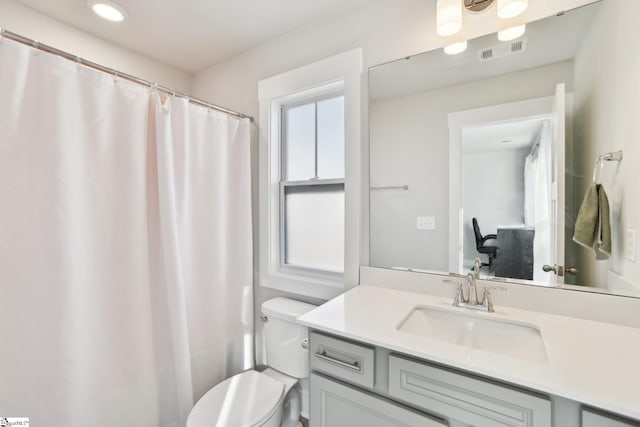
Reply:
x=490, y=251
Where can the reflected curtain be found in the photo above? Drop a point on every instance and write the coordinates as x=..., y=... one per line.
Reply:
x=125, y=247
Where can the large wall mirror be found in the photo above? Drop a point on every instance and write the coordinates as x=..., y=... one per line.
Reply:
x=524, y=154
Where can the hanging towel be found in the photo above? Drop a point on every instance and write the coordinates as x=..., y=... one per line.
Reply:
x=603, y=230
x=593, y=226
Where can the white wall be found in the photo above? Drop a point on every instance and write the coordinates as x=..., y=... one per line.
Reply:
x=607, y=106
x=493, y=192
x=385, y=29
x=26, y=22
x=409, y=144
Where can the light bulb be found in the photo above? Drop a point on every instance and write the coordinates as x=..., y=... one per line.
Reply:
x=511, y=8
x=456, y=48
x=511, y=33
x=448, y=17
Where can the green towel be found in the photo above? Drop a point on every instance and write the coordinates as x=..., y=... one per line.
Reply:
x=603, y=230
x=593, y=225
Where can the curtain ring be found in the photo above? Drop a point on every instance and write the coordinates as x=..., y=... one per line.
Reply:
x=115, y=76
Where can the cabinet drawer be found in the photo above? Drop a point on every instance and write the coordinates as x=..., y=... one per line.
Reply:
x=334, y=404
x=465, y=398
x=595, y=418
x=352, y=362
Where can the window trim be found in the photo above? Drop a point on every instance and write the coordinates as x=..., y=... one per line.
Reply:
x=283, y=145
x=340, y=73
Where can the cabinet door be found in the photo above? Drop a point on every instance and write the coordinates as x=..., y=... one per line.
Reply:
x=334, y=404
x=591, y=418
x=467, y=399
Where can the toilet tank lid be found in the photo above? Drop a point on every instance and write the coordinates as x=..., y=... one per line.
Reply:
x=285, y=308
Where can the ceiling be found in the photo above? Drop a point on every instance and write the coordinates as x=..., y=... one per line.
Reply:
x=513, y=135
x=194, y=34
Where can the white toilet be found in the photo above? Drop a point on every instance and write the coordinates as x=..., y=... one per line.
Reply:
x=271, y=398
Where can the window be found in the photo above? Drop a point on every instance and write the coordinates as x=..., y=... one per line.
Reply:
x=312, y=185
x=310, y=177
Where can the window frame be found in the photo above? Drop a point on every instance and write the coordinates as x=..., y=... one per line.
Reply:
x=340, y=74
x=314, y=181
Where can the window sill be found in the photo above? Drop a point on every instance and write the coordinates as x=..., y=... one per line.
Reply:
x=304, y=285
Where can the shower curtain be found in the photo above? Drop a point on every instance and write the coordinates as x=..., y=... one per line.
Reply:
x=125, y=247
x=538, y=206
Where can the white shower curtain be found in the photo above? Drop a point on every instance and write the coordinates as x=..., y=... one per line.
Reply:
x=538, y=206
x=125, y=247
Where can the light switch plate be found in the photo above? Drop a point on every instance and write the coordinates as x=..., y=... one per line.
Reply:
x=630, y=245
x=426, y=223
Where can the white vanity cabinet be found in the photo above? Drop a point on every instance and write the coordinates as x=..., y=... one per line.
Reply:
x=355, y=384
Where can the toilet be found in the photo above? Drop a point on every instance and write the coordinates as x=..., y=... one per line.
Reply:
x=273, y=397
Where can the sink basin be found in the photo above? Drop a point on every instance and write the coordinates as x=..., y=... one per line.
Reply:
x=520, y=340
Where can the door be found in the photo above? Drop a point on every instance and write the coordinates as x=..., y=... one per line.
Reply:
x=558, y=185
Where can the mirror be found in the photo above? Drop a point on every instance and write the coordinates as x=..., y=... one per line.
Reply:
x=514, y=135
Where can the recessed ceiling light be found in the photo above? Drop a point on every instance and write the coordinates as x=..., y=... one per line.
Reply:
x=108, y=10
x=456, y=48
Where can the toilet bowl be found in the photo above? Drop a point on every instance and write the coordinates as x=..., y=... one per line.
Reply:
x=273, y=397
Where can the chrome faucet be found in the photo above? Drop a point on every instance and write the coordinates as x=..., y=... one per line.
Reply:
x=471, y=301
x=477, y=265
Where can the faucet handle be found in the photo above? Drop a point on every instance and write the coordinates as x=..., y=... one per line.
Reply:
x=459, y=298
x=486, y=296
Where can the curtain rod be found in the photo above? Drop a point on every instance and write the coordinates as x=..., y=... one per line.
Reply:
x=37, y=45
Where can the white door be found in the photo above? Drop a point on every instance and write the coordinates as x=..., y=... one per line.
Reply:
x=557, y=183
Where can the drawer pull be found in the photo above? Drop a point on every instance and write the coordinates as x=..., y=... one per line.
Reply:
x=323, y=356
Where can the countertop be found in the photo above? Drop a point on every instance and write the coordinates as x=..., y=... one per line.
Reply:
x=595, y=363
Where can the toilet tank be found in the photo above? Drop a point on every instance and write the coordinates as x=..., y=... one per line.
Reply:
x=284, y=339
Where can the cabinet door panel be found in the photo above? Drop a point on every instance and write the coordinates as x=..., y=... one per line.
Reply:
x=334, y=404
x=465, y=398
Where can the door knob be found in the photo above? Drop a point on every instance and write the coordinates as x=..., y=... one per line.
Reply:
x=556, y=269
x=559, y=270
x=571, y=270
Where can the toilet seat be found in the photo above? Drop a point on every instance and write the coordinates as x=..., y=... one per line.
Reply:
x=244, y=400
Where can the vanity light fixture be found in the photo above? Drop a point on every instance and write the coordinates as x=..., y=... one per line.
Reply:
x=108, y=10
x=449, y=18
x=511, y=33
x=449, y=12
x=455, y=48
x=511, y=8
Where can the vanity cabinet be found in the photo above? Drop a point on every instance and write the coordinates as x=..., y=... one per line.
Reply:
x=357, y=384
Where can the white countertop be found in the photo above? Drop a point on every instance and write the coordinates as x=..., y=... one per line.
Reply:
x=594, y=363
